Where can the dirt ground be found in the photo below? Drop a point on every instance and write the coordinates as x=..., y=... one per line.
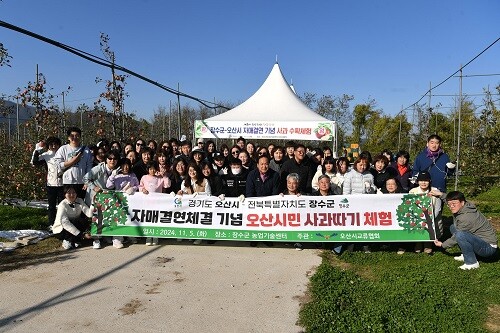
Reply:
x=174, y=287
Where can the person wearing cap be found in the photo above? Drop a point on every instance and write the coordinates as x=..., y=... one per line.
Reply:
x=424, y=187
x=220, y=164
x=471, y=230
x=235, y=180
x=197, y=155
x=435, y=161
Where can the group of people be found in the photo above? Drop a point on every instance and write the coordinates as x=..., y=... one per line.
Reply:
x=75, y=173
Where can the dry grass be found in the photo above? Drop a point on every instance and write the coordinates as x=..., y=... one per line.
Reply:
x=493, y=321
x=46, y=251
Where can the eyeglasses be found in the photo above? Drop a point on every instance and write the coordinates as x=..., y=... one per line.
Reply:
x=453, y=204
x=201, y=143
x=235, y=152
x=139, y=144
x=165, y=147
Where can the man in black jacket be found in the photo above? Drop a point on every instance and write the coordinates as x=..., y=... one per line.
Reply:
x=262, y=181
x=301, y=165
x=235, y=180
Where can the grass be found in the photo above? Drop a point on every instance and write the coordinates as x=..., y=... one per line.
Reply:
x=18, y=218
x=386, y=292
x=489, y=202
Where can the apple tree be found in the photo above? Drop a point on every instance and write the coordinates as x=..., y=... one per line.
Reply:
x=415, y=214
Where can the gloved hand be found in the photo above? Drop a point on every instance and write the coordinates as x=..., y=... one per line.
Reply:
x=172, y=194
x=241, y=198
x=450, y=165
x=222, y=197
x=115, y=172
x=126, y=187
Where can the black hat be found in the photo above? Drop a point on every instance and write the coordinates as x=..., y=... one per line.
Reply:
x=424, y=176
x=218, y=156
x=197, y=150
x=235, y=161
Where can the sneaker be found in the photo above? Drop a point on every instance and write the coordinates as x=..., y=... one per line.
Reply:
x=132, y=240
x=428, y=250
x=155, y=240
x=197, y=242
x=149, y=241
x=117, y=243
x=401, y=251
x=366, y=249
x=471, y=266
x=77, y=245
x=298, y=246
x=97, y=244
x=66, y=245
x=459, y=258
x=419, y=247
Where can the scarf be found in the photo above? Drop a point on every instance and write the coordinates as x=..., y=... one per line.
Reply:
x=402, y=169
x=433, y=154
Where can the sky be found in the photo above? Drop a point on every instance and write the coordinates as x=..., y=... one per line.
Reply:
x=389, y=51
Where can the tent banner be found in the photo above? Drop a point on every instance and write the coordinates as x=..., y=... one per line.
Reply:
x=292, y=130
x=339, y=218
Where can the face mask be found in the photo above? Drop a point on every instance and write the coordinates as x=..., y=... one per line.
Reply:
x=235, y=171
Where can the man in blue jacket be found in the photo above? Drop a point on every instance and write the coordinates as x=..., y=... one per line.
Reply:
x=435, y=161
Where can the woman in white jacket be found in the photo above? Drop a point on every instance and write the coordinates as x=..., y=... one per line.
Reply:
x=359, y=180
x=69, y=223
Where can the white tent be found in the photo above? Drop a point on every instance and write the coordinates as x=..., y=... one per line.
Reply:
x=273, y=112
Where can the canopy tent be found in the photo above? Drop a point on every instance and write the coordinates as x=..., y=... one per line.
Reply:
x=272, y=112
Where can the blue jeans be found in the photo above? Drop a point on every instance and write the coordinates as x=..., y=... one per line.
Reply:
x=471, y=245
